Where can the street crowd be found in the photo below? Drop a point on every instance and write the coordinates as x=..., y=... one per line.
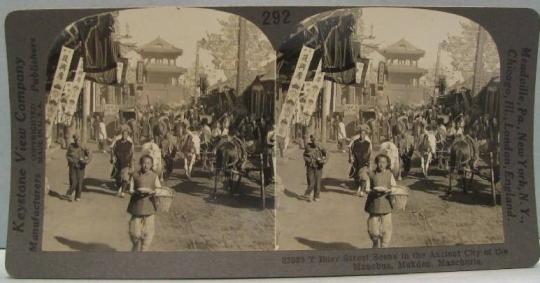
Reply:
x=430, y=132
x=163, y=137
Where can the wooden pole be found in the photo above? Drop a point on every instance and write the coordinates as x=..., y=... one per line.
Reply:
x=85, y=110
x=327, y=92
x=240, y=64
x=195, y=86
x=449, y=182
x=214, y=195
x=492, y=172
x=263, y=193
x=436, y=75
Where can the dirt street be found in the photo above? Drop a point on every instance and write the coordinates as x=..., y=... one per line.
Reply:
x=99, y=222
x=338, y=220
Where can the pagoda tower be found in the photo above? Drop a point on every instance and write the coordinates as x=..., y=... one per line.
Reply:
x=159, y=59
x=403, y=74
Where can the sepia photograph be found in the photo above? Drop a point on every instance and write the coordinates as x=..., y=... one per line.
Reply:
x=387, y=132
x=159, y=128
x=267, y=141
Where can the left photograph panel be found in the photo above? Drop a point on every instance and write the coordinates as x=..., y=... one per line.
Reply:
x=159, y=128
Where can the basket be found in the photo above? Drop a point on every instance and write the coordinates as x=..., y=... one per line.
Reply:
x=163, y=199
x=399, y=197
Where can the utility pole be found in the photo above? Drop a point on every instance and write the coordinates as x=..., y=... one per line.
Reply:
x=436, y=76
x=241, y=58
x=478, y=74
x=195, y=86
x=328, y=88
x=86, y=92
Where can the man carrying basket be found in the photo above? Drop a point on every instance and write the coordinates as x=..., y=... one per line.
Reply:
x=378, y=203
x=141, y=205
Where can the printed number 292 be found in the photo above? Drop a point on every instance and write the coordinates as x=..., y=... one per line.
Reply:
x=276, y=17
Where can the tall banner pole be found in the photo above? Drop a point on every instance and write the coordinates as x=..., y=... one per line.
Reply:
x=295, y=87
x=59, y=80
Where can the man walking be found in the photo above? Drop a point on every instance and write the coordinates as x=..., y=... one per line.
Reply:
x=341, y=135
x=121, y=157
x=315, y=157
x=77, y=157
x=169, y=149
x=269, y=160
x=142, y=207
x=360, y=155
x=101, y=133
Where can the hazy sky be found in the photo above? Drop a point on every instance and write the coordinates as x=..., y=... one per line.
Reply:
x=182, y=27
x=422, y=28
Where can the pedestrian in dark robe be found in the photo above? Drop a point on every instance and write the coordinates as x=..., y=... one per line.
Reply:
x=360, y=155
x=121, y=157
x=314, y=157
x=78, y=157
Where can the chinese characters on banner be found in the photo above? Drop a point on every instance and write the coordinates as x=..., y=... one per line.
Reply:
x=312, y=90
x=73, y=93
x=380, y=75
x=295, y=87
x=62, y=107
x=59, y=80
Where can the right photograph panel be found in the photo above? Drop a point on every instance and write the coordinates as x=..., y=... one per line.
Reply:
x=387, y=132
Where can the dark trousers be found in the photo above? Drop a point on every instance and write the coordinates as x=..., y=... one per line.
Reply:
x=76, y=178
x=313, y=181
x=268, y=165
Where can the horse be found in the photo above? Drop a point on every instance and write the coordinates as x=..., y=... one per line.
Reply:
x=418, y=127
x=463, y=157
x=403, y=125
x=426, y=147
x=405, y=144
x=190, y=148
x=230, y=159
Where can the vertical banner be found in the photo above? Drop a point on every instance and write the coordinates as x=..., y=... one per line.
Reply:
x=328, y=91
x=312, y=92
x=380, y=75
x=120, y=72
x=73, y=93
x=295, y=87
x=59, y=80
x=62, y=106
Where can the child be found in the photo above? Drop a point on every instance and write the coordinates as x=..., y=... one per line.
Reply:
x=141, y=206
x=378, y=204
